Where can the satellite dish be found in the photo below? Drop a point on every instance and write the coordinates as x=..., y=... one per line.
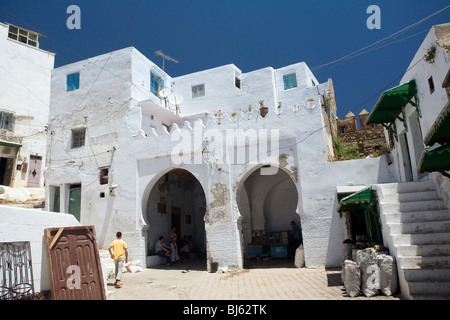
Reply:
x=164, y=93
x=175, y=99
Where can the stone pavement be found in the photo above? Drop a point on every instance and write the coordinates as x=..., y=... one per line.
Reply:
x=264, y=280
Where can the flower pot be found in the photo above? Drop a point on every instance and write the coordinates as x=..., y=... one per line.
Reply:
x=263, y=111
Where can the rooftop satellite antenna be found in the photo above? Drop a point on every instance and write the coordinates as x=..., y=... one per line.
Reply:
x=176, y=100
x=165, y=57
x=164, y=93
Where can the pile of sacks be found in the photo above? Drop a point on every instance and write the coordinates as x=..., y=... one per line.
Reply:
x=371, y=273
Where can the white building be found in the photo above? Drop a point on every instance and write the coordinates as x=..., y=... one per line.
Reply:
x=415, y=214
x=416, y=114
x=24, y=105
x=121, y=158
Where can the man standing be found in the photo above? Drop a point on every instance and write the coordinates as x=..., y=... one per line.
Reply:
x=119, y=254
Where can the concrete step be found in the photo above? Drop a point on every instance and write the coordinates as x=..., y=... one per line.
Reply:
x=412, y=206
x=424, y=262
x=407, y=187
x=442, y=226
x=424, y=275
x=435, y=288
x=411, y=196
x=417, y=216
x=424, y=250
x=421, y=239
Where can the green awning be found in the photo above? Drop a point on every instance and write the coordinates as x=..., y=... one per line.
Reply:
x=435, y=160
x=10, y=144
x=364, y=204
x=390, y=104
x=354, y=200
x=440, y=131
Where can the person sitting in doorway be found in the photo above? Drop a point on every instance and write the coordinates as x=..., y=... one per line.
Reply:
x=186, y=248
x=174, y=257
x=163, y=250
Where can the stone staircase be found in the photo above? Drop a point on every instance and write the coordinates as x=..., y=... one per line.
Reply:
x=416, y=229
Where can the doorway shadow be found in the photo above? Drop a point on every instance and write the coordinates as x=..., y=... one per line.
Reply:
x=194, y=264
x=269, y=264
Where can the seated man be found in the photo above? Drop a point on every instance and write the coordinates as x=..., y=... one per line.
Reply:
x=163, y=250
x=186, y=248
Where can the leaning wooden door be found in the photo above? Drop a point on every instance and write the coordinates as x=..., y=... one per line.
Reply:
x=34, y=172
x=74, y=263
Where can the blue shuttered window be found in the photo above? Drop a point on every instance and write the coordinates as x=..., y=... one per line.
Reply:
x=290, y=81
x=73, y=81
x=156, y=84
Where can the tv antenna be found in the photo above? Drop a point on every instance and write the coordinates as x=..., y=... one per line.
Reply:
x=165, y=57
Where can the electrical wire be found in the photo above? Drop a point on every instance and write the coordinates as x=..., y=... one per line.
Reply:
x=370, y=47
x=366, y=49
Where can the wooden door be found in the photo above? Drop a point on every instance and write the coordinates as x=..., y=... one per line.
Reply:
x=34, y=172
x=74, y=264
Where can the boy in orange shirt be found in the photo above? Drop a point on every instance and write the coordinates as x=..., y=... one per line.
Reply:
x=120, y=254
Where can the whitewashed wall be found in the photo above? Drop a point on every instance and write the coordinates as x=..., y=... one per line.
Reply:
x=430, y=104
x=19, y=224
x=142, y=157
x=25, y=91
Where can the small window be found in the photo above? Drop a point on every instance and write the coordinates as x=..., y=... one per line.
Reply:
x=156, y=84
x=78, y=138
x=290, y=81
x=73, y=81
x=162, y=208
x=343, y=129
x=237, y=83
x=431, y=84
x=198, y=91
x=6, y=120
x=22, y=35
x=104, y=175
x=13, y=31
x=313, y=83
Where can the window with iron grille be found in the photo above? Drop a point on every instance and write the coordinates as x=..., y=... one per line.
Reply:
x=198, y=91
x=6, y=120
x=78, y=137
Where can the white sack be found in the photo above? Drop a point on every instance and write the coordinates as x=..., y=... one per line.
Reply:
x=370, y=272
x=388, y=274
x=352, y=278
x=299, y=260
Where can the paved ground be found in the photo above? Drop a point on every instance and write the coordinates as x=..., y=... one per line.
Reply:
x=265, y=280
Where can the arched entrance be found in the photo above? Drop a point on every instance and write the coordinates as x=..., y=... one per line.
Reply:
x=177, y=199
x=268, y=203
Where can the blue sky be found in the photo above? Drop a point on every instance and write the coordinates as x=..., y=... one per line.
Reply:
x=251, y=34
